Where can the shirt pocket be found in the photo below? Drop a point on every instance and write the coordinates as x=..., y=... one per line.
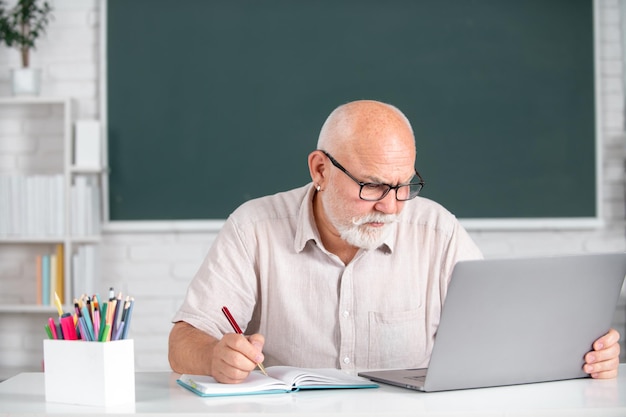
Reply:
x=396, y=339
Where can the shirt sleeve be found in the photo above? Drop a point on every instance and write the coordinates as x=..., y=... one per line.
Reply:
x=226, y=277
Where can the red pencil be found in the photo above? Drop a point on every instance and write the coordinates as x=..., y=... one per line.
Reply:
x=237, y=330
x=231, y=320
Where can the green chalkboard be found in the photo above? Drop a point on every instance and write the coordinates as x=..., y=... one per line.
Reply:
x=212, y=103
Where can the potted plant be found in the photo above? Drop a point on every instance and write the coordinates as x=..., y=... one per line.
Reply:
x=20, y=26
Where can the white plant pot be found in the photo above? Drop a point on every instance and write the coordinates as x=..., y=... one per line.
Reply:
x=26, y=81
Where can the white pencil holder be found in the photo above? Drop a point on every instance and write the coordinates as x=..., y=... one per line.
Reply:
x=89, y=373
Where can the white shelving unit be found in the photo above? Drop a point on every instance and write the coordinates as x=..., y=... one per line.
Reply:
x=69, y=173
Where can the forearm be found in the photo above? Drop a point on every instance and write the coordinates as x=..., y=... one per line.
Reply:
x=190, y=350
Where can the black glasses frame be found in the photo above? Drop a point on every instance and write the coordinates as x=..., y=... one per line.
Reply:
x=362, y=184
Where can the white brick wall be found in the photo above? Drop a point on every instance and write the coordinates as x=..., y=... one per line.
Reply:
x=156, y=266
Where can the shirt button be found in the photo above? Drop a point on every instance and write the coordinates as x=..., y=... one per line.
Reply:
x=345, y=314
x=346, y=360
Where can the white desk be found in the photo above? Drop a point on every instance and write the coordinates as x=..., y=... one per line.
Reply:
x=157, y=394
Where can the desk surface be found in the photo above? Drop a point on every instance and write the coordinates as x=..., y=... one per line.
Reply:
x=157, y=393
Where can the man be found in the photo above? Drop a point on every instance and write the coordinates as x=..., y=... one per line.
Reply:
x=349, y=271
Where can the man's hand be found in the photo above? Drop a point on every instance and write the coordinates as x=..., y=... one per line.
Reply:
x=229, y=359
x=235, y=356
x=603, y=360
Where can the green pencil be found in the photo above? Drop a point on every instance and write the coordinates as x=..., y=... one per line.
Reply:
x=105, y=333
x=103, y=318
x=48, y=331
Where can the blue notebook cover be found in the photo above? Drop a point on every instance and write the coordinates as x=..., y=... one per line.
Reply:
x=281, y=379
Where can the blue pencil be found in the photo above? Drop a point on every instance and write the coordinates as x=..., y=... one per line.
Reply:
x=129, y=313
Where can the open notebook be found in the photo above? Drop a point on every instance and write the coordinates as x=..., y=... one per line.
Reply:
x=281, y=379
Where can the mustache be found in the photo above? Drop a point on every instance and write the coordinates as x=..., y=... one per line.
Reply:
x=375, y=218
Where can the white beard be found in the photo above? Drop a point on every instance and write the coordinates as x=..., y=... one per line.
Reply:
x=360, y=235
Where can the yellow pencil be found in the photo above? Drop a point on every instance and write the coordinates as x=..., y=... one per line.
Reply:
x=57, y=303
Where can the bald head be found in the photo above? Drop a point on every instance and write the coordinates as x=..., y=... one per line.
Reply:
x=366, y=126
x=364, y=142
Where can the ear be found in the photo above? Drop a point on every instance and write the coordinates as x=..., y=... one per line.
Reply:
x=317, y=168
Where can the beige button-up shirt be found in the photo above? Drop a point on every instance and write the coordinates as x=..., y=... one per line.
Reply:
x=270, y=268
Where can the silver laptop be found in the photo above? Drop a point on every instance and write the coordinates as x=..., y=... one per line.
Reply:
x=517, y=321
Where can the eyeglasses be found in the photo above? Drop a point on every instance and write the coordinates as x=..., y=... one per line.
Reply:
x=372, y=191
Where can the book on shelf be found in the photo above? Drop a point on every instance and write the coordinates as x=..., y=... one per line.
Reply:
x=87, y=144
x=50, y=276
x=59, y=287
x=85, y=206
x=84, y=267
x=280, y=379
x=34, y=205
x=5, y=205
x=53, y=277
x=39, y=280
x=31, y=205
x=45, y=279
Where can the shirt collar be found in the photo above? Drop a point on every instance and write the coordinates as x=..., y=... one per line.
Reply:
x=307, y=229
